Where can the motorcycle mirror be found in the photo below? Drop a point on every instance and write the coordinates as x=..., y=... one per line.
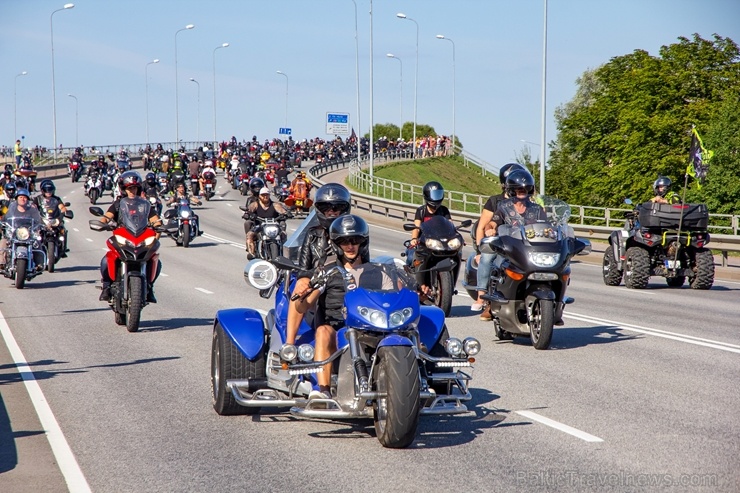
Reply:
x=96, y=211
x=465, y=223
x=409, y=227
x=284, y=263
x=67, y=204
x=582, y=246
x=96, y=225
x=492, y=244
x=445, y=265
x=169, y=214
x=243, y=208
x=260, y=274
x=69, y=215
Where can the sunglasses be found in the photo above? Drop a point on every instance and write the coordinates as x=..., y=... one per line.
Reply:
x=325, y=207
x=352, y=240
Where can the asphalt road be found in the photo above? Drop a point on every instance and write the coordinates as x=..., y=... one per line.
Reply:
x=637, y=393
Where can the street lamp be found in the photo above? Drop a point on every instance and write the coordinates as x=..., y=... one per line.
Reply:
x=77, y=120
x=357, y=83
x=53, y=85
x=286, y=96
x=197, y=138
x=146, y=79
x=416, y=75
x=224, y=45
x=543, y=149
x=15, y=104
x=440, y=36
x=177, y=101
x=400, y=125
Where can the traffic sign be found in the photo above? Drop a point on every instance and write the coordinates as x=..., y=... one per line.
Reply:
x=337, y=123
x=285, y=131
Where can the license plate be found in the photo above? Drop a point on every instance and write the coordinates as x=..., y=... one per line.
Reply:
x=672, y=264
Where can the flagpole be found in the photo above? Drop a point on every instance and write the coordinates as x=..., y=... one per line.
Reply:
x=683, y=198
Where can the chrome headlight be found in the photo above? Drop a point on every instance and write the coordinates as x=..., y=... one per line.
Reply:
x=149, y=241
x=543, y=259
x=454, y=243
x=52, y=222
x=185, y=214
x=272, y=230
x=288, y=352
x=433, y=244
x=400, y=317
x=305, y=352
x=453, y=346
x=373, y=317
x=22, y=233
x=471, y=346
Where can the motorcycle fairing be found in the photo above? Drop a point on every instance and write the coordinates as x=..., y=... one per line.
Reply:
x=431, y=323
x=395, y=340
x=245, y=328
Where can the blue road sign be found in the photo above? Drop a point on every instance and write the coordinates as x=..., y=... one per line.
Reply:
x=284, y=131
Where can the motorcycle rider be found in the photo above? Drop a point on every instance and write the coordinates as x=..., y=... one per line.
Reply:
x=433, y=195
x=281, y=175
x=182, y=193
x=208, y=173
x=663, y=194
x=194, y=171
x=47, y=200
x=483, y=228
x=131, y=185
x=348, y=235
x=20, y=207
x=255, y=185
x=78, y=157
x=264, y=208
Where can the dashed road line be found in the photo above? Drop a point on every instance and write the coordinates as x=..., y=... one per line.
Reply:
x=204, y=291
x=559, y=426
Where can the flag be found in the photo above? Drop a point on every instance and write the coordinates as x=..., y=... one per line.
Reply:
x=353, y=135
x=699, y=158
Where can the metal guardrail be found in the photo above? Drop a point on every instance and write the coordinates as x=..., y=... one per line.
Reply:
x=400, y=209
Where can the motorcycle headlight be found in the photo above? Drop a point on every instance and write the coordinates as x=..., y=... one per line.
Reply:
x=288, y=352
x=121, y=240
x=543, y=259
x=150, y=240
x=272, y=231
x=373, y=317
x=453, y=346
x=471, y=346
x=185, y=214
x=433, y=244
x=22, y=233
x=305, y=352
x=400, y=317
x=454, y=243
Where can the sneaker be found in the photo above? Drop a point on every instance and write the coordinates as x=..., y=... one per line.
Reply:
x=476, y=307
x=318, y=394
x=486, y=315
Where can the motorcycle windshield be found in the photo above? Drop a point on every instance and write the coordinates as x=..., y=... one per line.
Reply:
x=542, y=221
x=15, y=216
x=134, y=215
x=438, y=227
x=378, y=277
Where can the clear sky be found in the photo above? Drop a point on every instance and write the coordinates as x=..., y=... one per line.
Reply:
x=102, y=47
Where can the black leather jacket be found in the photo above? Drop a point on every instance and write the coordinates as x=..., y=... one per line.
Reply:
x=316, y=249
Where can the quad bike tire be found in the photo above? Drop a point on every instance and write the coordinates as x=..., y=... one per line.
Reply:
x=704, y=278
x=610, y=269
x=637, y=268
x=396, y=416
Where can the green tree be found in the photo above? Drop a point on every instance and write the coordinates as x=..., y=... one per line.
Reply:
x=630, y=122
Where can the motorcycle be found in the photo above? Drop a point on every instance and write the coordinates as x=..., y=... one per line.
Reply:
x=163, y=182
x=282, y=190
x=132, y=246
x=530, y=274
x=94, y=187
x=209, y=184
x=667, y=240
x=155, y=203
x=269, y=235
x=394, y=362
x=183, y=226
x=176, y=176
x=244, y=184
x=25, y=256
x=75, y=168
x=52, y=235
x=194, y=184
x=439, y=240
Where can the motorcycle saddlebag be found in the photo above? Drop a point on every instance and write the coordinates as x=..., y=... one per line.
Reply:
x=654, y=215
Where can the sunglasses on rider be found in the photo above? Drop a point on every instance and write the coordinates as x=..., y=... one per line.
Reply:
x=352, y=240
x=325, y=207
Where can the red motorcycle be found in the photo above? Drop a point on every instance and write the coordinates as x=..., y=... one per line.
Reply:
x=75, y=167
x=209, y=184
x=132, y=259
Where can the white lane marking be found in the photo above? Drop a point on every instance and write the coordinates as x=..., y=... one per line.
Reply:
x=163, y=274
x=229, y=204
x=637, y=291
x=60, y=448
x=88, y=239
x=104, y=249
x=76, y=229
x=204, y=291
x=222, y=240
x=724, y=346
x=379, y=250
x=559, y=426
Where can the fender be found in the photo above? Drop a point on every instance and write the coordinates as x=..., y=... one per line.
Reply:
x=395, y=340
x=430, y=325
x=541, y=292
x=617, y=242
x=245, y=328
x=21, y=251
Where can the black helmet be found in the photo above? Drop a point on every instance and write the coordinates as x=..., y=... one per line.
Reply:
x=662, y=181
x=10, y=190
x=506, y=169
x=331, y=196
x=255, y=185
x=129, y=179
x=433, y=194
x=348, y=226
x=151, y=179
x=22, y=192
x=47, y=186
x=519, y=178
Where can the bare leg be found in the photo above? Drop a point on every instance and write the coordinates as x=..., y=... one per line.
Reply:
x=326, y=344
x=294, y=316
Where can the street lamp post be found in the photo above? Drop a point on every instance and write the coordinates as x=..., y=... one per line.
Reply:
x=197, y=132
x=400, y=125
x=177, y=101
x=15, y=104
x=440, y=36
x=286, y=96
x=77, y=120
x=53, y=85
x=543, y=149
x=416, y=75
x=223, y=45
x=146, y=81
x=357, y=83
